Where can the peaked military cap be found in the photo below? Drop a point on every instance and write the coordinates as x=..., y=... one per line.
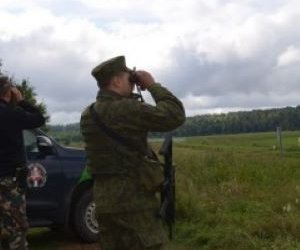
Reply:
x=109, y=68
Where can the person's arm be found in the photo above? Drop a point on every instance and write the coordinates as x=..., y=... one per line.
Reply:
x=168, y=113
x=26, y=116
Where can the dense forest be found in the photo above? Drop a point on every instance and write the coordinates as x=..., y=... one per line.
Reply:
x=242, y=122
x=230, y=123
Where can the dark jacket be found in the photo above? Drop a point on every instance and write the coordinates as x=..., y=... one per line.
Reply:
x=13, y=119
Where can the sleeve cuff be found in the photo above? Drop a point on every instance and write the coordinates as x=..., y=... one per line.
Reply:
x=154, y=87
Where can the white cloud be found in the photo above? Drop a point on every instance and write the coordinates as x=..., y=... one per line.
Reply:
x=208, y=52
x=18, y=25
x=290, y=56
x=236, y=102
x=198, y=102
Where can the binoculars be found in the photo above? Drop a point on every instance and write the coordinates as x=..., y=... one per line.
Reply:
x=133, y=78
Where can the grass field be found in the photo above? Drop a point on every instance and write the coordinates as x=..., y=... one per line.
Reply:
x=237, y=192
x=233, y=192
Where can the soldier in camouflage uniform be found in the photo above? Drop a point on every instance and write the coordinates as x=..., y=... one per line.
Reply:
x=15, y=115
x=126, y=179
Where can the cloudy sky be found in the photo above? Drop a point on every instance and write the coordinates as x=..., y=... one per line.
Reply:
x=216, y=55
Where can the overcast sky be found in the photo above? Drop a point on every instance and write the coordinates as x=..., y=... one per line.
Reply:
x=216, y=55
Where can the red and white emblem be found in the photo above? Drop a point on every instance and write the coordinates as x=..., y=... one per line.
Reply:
x=37, y=175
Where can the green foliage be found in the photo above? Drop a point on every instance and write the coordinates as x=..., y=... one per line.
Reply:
x=241, y=122
x=237, y=192
x=66, y=134
x=30, y=95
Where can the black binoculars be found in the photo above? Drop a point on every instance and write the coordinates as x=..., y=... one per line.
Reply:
x=133, y=78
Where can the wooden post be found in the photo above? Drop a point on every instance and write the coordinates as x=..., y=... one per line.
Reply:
x=279, y=139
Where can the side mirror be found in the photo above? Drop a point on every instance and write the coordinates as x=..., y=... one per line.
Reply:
x=45, y=145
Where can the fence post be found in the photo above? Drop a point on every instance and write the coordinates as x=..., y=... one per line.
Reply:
x=279, y=139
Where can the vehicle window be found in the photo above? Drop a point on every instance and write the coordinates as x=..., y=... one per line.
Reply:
x=30, y=142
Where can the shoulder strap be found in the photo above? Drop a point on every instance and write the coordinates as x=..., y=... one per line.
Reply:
x=110, y=133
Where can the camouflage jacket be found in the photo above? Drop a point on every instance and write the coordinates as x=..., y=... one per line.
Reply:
x=117, y=167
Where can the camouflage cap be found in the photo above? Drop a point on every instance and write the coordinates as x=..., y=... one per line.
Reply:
x=110, y=68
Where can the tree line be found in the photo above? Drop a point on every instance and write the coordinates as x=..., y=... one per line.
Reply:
x=287, y=118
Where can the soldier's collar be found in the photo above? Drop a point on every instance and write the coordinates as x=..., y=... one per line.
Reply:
x=108, y=94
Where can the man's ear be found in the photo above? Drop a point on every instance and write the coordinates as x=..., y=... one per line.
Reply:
x=115, y=81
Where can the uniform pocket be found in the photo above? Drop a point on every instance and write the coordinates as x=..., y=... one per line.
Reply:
x=152, y=175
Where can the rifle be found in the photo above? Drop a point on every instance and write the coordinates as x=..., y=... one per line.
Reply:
x=167, y=208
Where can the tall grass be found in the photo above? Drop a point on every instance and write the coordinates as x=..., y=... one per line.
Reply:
x=236, y=192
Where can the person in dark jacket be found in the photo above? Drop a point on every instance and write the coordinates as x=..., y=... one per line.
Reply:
x=16, y=114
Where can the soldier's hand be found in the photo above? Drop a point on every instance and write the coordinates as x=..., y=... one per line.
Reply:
x=16, y=95
x=145, y=79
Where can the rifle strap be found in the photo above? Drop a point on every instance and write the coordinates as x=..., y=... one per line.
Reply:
x=112, y=134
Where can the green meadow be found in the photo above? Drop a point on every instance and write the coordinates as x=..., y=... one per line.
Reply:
x=238, y=192
x=234, y=192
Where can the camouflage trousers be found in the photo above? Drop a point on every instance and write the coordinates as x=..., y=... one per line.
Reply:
x=131, y=231
x=13, y=219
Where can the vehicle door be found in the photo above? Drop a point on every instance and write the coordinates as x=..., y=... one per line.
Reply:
x=44, y=178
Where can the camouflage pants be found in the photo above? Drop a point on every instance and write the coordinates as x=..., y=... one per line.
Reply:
x=13, y=220
x=131, y=231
